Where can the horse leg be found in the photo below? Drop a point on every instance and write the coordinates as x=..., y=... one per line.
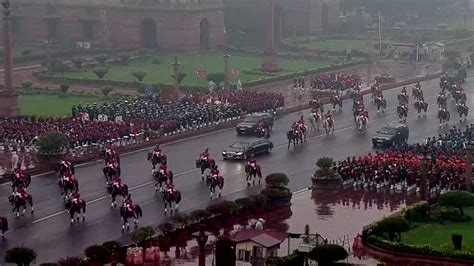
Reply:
x=84, y=213
x=24, y=210
x=166, y=206
x=31, y=205
x=113, y=201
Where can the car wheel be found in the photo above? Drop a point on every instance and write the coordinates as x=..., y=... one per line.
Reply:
x=374, y=144
x=238, y=133
x=269, y=150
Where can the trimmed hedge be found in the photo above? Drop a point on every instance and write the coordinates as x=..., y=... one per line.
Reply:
x=417, y=212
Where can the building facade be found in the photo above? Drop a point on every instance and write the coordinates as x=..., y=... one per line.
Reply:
x=182, y=25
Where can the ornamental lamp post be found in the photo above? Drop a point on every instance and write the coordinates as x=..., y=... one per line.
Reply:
x=176, y=74
x=469, y=151
x=226, y=69
x=425, y=193
x=201, y=238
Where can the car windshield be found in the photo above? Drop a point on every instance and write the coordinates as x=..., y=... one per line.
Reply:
x=240, y=145
x=251, y=119
x=388, y=130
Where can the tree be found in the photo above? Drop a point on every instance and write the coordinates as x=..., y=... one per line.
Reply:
x=71, y=261
x=451, y=55
x=63, y=88
x=181, y=76
x=106, y=90
x=457, y=199
x=20, y=256
x=124, y=58
x=101, y=59
x=215, y=77
x=394, y=226
x=112, y=246
x=77, y=61
x=143, y=234
x=326, y=254
x=277, y=180
x=100, y=72
x=139, y=75
x=97, y=254
x=58, y=66
x=52, y=143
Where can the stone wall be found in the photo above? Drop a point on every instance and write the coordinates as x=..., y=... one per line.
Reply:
x=177, y=26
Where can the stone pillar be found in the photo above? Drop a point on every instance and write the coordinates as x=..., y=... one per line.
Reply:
x=270, y=63
x=226, y=70
x=176, y=74
x=8, y=97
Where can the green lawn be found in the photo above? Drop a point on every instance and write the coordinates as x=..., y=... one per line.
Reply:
x=453, y=23
x=52, y=104
x=438, y=235
x=333, y=45
x=213, y=62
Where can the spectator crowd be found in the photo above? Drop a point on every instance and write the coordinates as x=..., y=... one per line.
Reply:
x=335, y=81
x=100, y=123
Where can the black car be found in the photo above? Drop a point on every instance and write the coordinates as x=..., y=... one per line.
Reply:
x=391, y=134
x=243, y=150
x=250, y=123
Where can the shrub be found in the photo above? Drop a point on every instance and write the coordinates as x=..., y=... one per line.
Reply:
x=451, y=215
x=456, y=199
x=166, y=227
x=245, y=203
x=58, y=66
x=215, y=77
x=181, y=77
x=143, y=234
x=442, y=26
x=26, y=85
x=259, y=200
x=451, y=55
x=100, y=72
x=457, y=241
x=200, y=215
x=139, y=75
x=155, y=61
x=417, y=212
x=106, y=91
x=51, y=143
x=71, y=261
x=124, y=58
x=141, y=89
x=326, y=254
x=182, y=218
x=276, y=193
x=277, y=180
x=20, y=255
x=294, y=259
x=101, y=59
x=112, y=246
x=63, y=88
x=77, y=61
x=26, y=52
x=394, y=226
x=97, y=254
x=324, y=163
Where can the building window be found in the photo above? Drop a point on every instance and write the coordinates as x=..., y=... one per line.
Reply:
x=15, y=24
x=52, y=28
x=88, y=30
x=243, y=255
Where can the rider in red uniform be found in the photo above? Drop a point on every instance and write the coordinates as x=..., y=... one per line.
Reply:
x=163, y=169
x=214, y=172
x=68, y=176
x=252, y=161
x=21, y=192
x=328, y=115
x=19, y=173
x=404, y=90
x=117, y=182
x=205, y=155
x=128, y=203
x=171, y=189
x=157, y=150
x=66, y=162
x=76, y=198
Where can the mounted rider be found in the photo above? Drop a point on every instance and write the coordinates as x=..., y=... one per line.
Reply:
x=21, y=192
x=69, y=177
x=128, y=203
x=205, y=156
x=328, y=116
x=170, y=188
x=214, y=172
x=19, y=173
x=117, y=182
x=76, y=198
x=404, y=91
x=163, y=170
x=110, y=151
x=66, y=162
x=157, y=151
x=112, y=163
x=252, y=161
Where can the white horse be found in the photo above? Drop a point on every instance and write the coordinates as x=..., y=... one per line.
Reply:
x=315, y=119
x=329, y=125
x=361, y=122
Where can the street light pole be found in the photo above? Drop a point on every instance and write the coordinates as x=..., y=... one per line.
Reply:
x=469, y=151
x=201, y=239
x=176, y=74
x=226, y=70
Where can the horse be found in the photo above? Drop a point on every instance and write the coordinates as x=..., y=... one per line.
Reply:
x=421, y=106
x=251, y=173
x=417, y=93
x=458, y=96
x=160, y=178
x=107, y=156
x=361, y=122
x=441, y=100
x=402, y=112
x=215, y=185
x=115, y=191
x=17, y=202
x=154, y=159
x=125, y=214
x=110, y=173
x=169, y=198
x=16, y=182
x=203, y=164
x=329, y=125
x=3, y=226
x=60, y=169
x=73, y=208
x=315, y=118
x=381, y=104
x=292, y=138
x=69, y=187
x=336, y=100
x=462, y=110
x=444, y=116
x=314, y=104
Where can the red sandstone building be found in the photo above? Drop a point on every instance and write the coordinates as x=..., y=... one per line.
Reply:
x=183, y=25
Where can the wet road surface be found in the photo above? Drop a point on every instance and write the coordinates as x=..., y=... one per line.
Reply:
x=48, y=229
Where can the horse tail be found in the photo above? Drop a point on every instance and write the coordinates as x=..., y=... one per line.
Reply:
x=139, y=211
x=170, y=176
x=149, y=156
x=125, y=189
x=83, y=206
x=178, y=197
